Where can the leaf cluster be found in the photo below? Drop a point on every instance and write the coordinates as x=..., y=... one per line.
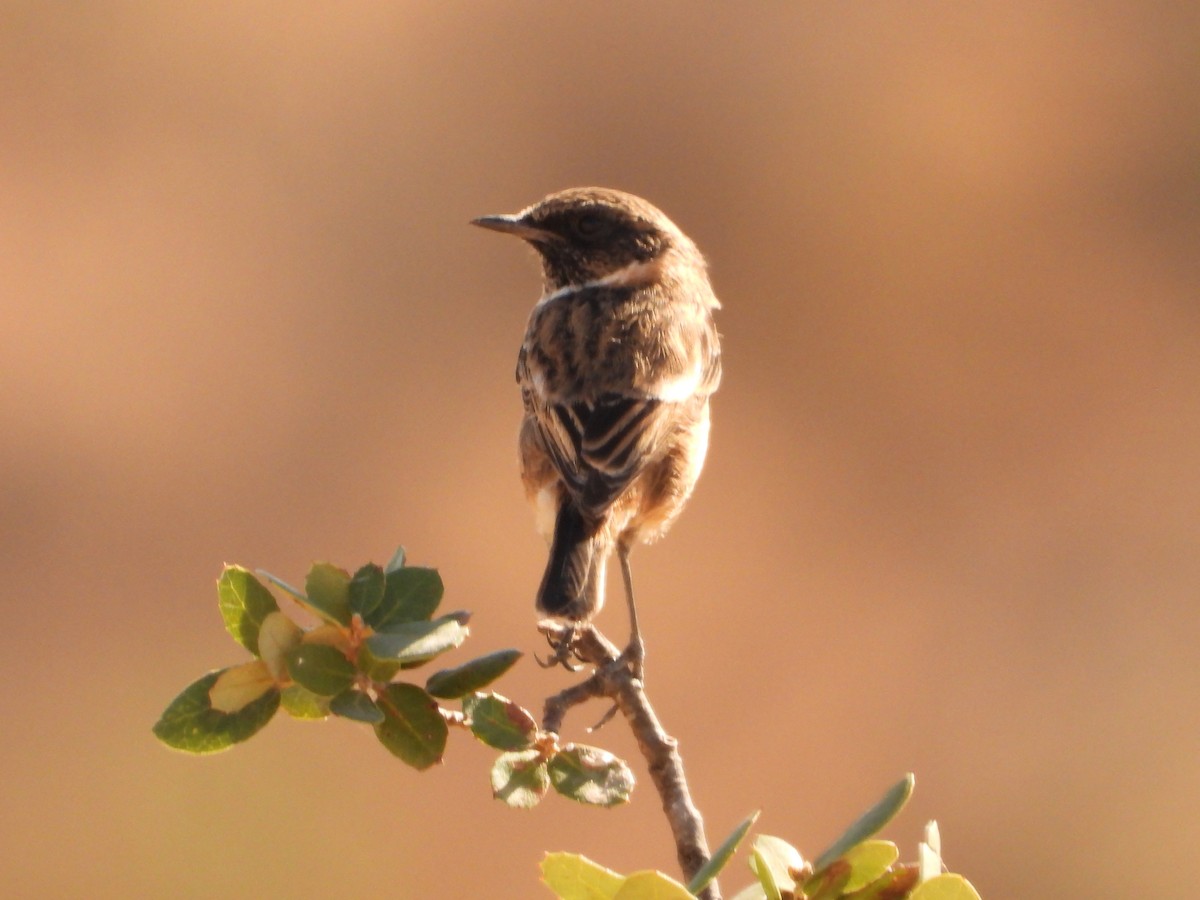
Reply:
x=372, y=628
x=854, y=867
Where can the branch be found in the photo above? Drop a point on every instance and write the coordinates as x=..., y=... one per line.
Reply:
x=613, y=679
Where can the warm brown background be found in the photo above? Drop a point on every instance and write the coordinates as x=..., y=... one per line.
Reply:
x=950, y=520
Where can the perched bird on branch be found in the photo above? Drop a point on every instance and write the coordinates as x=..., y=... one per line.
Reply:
x=619, y=359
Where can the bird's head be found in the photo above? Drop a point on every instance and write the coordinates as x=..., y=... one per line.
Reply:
x=586, y=234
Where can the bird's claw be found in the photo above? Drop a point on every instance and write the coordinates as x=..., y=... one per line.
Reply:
x=563, y=649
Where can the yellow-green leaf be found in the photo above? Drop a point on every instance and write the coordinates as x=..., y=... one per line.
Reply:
x=277, y=636
x=575, y=877
x=651, y=885
x=773, y=860
x=239, y=686
x=868, y=861
x=301, y=703
x=945, y=887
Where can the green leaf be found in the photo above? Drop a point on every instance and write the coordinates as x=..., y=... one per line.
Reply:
x=396, y=562
x=410, y=644
x=450, y=684
x=868, y=861
x=774, y=860
x=652, y=886
x=322, y=669
x=499, y=722
x=192, y=725
x=869, y=822
x=410, y=594
x=590, y=775
x=366, y=590
x=413, y=728
x=575, y=877
x=892, y=884
x=244, y=603
x=301, y=703
x=722, y=855
x=328, y=593
x=520, y=779
x=354, y=704
x=945, y=887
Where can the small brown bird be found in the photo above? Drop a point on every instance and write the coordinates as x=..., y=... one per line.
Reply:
x=619, y=359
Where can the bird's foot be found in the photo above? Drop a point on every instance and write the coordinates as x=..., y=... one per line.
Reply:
x=564, y=651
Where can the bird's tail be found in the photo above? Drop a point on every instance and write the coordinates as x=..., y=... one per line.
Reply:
x=573, y=586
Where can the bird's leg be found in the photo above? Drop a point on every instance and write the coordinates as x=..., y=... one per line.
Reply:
x=635, y=652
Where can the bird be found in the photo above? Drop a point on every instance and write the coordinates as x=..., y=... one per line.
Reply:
x=619, y=359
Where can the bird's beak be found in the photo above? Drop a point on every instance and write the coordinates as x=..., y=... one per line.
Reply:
x=514, y=224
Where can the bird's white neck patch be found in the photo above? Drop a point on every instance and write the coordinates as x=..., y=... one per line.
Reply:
x=632, y=275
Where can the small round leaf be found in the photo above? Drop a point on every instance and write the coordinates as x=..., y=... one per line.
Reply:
x=590, y=775
x=499, y=722
x=520, y=779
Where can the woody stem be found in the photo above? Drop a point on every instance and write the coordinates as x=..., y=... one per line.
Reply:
x=613, y=679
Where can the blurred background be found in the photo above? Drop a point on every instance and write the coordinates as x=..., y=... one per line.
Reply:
x=950, y=518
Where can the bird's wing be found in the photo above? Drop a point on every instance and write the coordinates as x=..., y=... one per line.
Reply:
x=606, y=378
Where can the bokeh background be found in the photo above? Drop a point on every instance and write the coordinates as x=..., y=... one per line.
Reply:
x=950, y=518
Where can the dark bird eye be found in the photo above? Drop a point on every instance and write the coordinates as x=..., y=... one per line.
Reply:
x=590, y=226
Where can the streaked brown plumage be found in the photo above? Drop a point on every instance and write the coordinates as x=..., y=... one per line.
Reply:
x=619, y=359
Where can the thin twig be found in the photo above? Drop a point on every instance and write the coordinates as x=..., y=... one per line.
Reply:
x=613, y=679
